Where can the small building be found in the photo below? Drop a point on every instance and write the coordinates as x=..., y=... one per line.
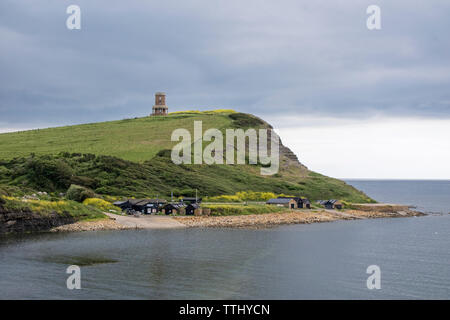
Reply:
x=283, y=202
x=331, y=204
x=305, y=204
x=160, y=108
x=145, y=206
x=190, y=208
x=338, y=205
x=171, y=208
x=121, y=204
x=301, y=202
x=155, y=205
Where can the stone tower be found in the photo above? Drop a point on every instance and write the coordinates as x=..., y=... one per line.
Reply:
x=160, y=108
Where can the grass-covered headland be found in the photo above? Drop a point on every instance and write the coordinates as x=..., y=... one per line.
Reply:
x=112, y=176
x=131, y=158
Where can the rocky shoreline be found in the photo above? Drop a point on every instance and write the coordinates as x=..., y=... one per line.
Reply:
x=25, y=221
x=290, y=217
x=96, y=225
x=253, y=221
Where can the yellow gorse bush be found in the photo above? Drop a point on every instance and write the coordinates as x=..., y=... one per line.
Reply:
x=100, y=204
x=41, y=206
x=224, y=198
x=204, y=112
x=244, y=196
x=46, y=207
x=39, y=203
x=239, y=209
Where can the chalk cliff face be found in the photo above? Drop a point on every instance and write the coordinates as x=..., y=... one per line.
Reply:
x=288, y=159
x=22, y=221
x=291, y=158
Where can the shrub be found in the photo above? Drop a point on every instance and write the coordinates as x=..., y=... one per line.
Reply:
x=84, y=181
x=3, y=192
x=224, y=198
x=79, y=193
x=49, y=172
x=165, y=153
x=4, y=171
x=100, y=204
x=204, y=112
x=160, y=177
x=244, y=196
x=244, y=120
x=45, y=208
x=235, y=209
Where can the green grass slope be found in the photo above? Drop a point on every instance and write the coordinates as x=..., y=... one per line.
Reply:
x=132, y=158
x=136, y=140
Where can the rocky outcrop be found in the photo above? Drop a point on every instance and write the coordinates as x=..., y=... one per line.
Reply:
x=290, y=158
x=287, y=157
x=23, y=221
x=379, y=207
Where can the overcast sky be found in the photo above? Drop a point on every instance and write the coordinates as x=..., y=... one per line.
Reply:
x=297, y=64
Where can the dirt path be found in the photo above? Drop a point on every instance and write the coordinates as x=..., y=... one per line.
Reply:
x=146, y=221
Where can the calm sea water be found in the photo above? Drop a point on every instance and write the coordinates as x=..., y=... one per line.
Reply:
x=324, y=261
x=428, y=196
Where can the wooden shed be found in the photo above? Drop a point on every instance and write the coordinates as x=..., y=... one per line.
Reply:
x=331, y=204
x=301, y=202
x=174, y=208
x=283, y=202
x=305, y=203
x=190, y=209
x=145, y=206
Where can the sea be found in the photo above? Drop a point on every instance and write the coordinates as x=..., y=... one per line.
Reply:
x=317, y=261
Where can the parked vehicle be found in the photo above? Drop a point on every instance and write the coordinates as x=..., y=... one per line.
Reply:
x=130, y=211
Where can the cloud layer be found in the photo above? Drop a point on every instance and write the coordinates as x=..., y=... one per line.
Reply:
x=379, y=148
x=264, y=57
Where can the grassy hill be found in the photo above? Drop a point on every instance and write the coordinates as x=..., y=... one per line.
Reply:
x=132, y=158
x=136, y=140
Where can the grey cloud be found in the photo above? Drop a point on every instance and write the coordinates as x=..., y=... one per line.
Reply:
x=295, y=57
